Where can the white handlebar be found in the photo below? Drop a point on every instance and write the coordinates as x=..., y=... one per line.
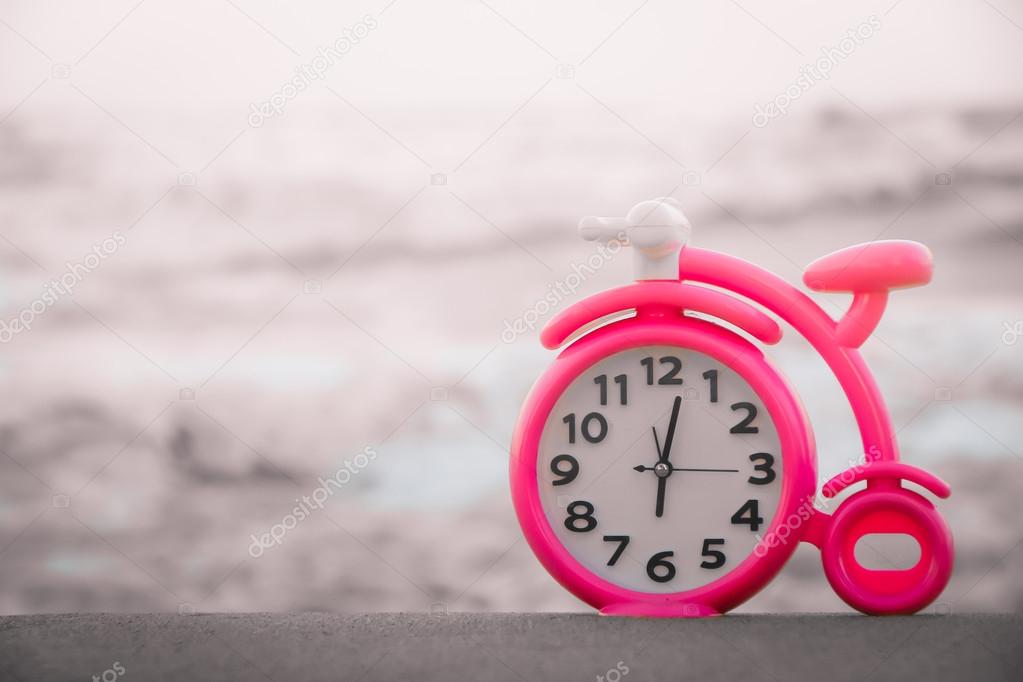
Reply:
x=594, y=229
x=657, y=230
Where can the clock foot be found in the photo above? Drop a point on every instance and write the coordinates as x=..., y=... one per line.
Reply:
x=643, y=610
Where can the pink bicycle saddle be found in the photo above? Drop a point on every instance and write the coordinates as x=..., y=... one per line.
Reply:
x=875, y=266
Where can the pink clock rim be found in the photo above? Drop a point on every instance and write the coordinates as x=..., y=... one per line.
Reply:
x=794, y=432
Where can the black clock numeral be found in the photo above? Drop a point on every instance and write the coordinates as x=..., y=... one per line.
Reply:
x=670, y=377
x=749, y=515
x=765, y=467
x=623, y=542
x=623, y=391
x=587, y=427
x=589, y=522
x=660, y=560
x=711, y=375
x=568, y=473
x=717, y=557
x=744, y=425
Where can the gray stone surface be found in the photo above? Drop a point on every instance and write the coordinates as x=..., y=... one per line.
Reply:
x=465, y=646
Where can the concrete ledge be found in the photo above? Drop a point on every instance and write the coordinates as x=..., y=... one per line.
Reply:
x=463, y=646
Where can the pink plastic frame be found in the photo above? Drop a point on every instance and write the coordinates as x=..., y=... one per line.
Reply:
x=656, y=325
x=883, y=507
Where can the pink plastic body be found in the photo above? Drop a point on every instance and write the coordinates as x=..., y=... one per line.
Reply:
x=869, y=271
x=874, y=266
x=665, y=294
x=884, y=506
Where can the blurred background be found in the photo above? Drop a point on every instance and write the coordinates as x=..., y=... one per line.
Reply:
x=248, y=246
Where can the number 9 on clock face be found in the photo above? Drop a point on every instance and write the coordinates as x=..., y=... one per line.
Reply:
x=659, y=468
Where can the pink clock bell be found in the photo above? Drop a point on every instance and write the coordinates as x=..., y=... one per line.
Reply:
x=662, y=466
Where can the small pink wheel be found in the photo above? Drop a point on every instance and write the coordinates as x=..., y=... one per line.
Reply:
x=887, y=509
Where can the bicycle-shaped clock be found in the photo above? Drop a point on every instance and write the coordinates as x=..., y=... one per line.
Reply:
x=662, y=466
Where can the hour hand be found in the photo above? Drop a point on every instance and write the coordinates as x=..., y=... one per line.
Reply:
x=662, y=484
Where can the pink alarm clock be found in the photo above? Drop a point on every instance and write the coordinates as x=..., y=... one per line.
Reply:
x=663, y=466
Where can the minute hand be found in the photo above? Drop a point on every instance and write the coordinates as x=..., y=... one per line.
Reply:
x=666, y=452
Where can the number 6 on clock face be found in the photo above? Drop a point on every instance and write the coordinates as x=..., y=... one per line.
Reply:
x=658, y=467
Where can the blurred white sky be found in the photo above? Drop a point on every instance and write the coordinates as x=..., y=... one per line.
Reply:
x=430, y=53
x=655, y=63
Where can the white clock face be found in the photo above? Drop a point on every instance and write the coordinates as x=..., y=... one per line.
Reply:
x=658, y=469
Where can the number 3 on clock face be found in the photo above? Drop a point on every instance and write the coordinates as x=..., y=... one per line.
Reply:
x=658, y=468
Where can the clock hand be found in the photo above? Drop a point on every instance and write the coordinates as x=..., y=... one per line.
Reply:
x=666, y=452
x=641, y=467
x=665, y=469
x=664, y=466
